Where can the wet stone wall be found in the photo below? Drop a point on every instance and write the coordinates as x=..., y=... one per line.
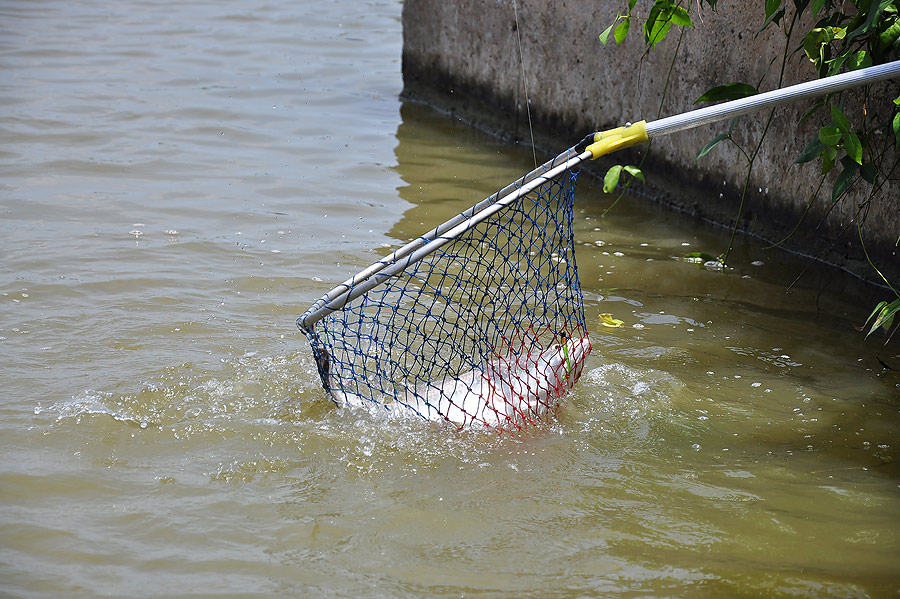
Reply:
x=465, y=57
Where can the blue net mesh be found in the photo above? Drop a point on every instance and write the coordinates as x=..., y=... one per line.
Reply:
x=489, y=329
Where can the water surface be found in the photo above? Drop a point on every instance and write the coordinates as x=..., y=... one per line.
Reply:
x=181, y=180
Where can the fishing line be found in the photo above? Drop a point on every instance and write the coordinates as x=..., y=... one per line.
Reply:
x=524, y=80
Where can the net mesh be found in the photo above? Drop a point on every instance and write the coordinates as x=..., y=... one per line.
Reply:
x=487, y=330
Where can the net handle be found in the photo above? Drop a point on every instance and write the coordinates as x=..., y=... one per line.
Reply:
x=428, y=243
x=776, y=97
x=612, y=140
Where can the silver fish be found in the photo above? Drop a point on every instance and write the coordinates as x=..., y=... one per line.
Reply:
x=505, y=391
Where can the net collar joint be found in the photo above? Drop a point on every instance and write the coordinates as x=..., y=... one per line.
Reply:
x=616, y=139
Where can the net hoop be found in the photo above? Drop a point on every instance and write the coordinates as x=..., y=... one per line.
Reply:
x=401, y=259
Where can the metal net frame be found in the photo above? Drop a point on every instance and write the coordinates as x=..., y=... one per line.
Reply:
x=479, y=322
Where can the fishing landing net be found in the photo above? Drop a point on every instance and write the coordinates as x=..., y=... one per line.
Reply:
x=477, y=322
x=481, y=319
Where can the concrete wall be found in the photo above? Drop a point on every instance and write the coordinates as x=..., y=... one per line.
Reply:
x=463, y=56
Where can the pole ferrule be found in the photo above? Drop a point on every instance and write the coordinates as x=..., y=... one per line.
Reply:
x=619, y=138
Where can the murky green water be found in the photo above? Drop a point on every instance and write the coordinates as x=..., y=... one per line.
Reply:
x=181, y=180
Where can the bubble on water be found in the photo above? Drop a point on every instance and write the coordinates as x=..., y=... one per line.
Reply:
x=641, y=387
x=170, y=232
x=695, y=446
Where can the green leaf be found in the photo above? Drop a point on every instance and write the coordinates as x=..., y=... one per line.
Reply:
x=814, y=45
x=853, y=147
x=828, y=159
x=868, y=172
x=635, y=172
x=774, y=12
x=622, y=30
x=812, y=149
x=827, y=163
x=830, y=136
x=879, y=309
x=835, y=64
x=729, y=91
x=838, y=118
x=712, y=143
x=662, y=16
x=680, y=16
x=817, y=6
x=604, y=37
x=872, y=16
x=884, y=315
x=889, y=36
x=860, y=60
x=612, y=178
x=656, y=28
x=843, y=180
x=895, y=125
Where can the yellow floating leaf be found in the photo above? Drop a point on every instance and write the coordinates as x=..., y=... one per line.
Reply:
x=607, y=320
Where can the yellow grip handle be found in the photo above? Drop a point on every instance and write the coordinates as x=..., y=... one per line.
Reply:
x=606, y=142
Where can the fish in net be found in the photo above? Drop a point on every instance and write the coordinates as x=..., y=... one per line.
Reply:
x=478, y=322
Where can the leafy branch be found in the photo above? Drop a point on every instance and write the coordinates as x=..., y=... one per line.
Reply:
x=657, y=25
x=846, y=35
